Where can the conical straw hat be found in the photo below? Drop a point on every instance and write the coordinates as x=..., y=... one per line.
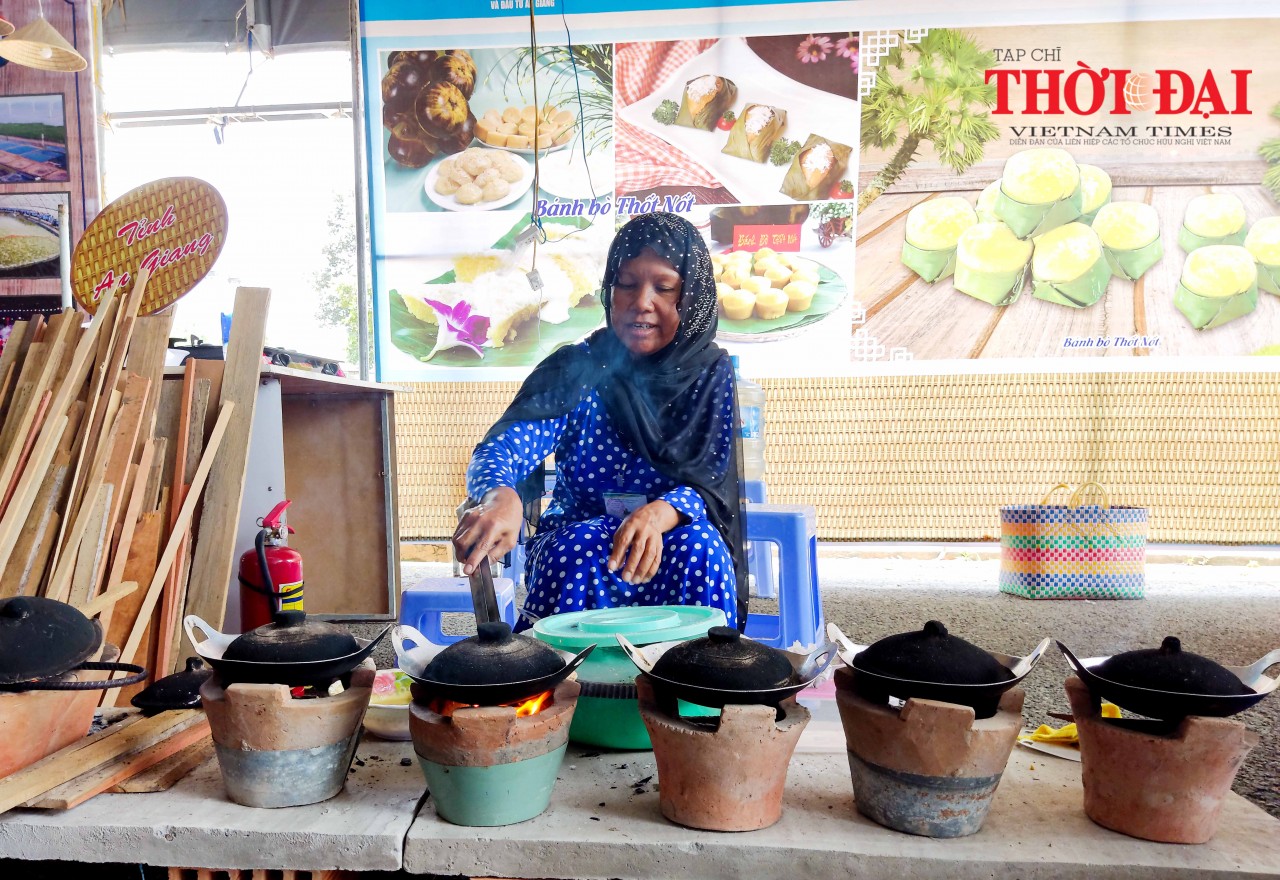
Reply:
x=5, y=28
x=38, y=44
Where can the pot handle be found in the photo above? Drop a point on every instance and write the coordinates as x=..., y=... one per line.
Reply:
x=632, y=652
x=139, y=675
x=193, y=622
x=817, y=661
x=401, y=634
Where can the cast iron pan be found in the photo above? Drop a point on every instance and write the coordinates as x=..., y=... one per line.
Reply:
x=257, y=672
x=178, y=691
x=492, y=694
x=983, y=698
x=1170, y=705
x=807, y=668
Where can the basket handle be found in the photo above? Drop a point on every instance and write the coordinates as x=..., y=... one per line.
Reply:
x=1049, y=494
x=1078, y=495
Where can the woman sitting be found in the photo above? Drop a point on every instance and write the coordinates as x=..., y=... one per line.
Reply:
x=646, y=508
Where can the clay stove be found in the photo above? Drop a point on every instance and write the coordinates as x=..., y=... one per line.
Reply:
x=721, y=777
x=930, y=768
x=1162, y=781
x=276, y=750
x=492, y=765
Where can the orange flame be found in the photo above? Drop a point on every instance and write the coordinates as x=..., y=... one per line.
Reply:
x=524, y=708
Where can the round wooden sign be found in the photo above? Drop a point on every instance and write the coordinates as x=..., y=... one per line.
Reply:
x=176, y=227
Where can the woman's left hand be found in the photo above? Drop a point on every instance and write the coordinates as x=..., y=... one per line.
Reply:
x=638, y=541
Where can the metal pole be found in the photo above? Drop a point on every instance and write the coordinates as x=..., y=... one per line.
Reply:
x=64, y=252
x=357, y=117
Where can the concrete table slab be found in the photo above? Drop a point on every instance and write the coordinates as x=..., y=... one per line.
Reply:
x=604, y=822
x=194, y=825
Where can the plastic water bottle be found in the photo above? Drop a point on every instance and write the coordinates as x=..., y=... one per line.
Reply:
x=751, y=407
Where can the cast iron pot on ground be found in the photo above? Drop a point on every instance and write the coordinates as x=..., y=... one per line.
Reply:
x=932, y=664
x=492, y=667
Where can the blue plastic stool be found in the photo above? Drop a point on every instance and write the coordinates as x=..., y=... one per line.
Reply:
x=424, y=604
x=759, y=558
x=793, y=528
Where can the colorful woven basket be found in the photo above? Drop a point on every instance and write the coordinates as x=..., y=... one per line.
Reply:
x=1076, y=551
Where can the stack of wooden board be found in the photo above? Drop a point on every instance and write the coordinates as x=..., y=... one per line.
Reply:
x=104, y=466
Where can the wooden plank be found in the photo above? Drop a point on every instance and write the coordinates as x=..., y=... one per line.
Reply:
x=174, y=599
x=69, y=390
x=168, y=415
x=139, y=567
x=211, y=568
x=59, y=586
x=151, y=499
x=170, y=554
x=143, y=757
x=28, y=489
x=24, y=391
x=92, y=548
x=68, y=763
x=42, y=410
x=9, y=362
x=132, y=511
x=26, y=564
x=164, y=775
x=119, y=465
x=106, y=600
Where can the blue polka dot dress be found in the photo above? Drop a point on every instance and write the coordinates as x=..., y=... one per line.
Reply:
x=567, y=565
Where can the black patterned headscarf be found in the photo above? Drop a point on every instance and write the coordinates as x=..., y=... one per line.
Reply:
x=669, y=405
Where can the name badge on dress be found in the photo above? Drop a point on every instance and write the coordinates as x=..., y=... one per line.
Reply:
x=623, y=504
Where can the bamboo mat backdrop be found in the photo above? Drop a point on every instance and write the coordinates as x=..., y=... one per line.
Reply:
x=934, y=457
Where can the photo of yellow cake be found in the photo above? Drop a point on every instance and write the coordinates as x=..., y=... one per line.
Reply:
x=736, y=305
x=991, y=263
x=933, y=227
x=1130, y=237
x=1263, y=241
x=1068, y=267
x=1219, y=283
x=1213, y=218
x=1039, y=190
x=771, y=304
x=1095, y=191
x=799, y=295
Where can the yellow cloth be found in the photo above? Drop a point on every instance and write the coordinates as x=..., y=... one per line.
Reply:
x=1067, y=733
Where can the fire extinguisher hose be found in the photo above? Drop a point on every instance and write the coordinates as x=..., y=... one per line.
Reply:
x=268, y=588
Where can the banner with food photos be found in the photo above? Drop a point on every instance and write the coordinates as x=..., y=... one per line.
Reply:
x=1097, y=190
x=877, y=182
x=499, y=172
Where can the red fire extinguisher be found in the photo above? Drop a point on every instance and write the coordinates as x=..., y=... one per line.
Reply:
x=270, y=574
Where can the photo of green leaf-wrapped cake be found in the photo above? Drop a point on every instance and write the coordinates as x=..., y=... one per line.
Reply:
x=1263, y=241
x=754, y=131
x=1095, y=191
x=1039, y=190
x=1213, y=218
x=1068, y=267
x=1219, y=283
x=933, y=229
x=991, y=263
x=704, y=101
x=818, y=165
x=1130, y=236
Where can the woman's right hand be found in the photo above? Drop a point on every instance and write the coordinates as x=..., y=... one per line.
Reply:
x=491, y=528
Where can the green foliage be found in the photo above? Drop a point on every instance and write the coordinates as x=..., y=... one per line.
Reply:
x=35, y=131
x=1270, y=150
x=666, y=112
x=933, y=91
x=335, y=283
x=783, y=151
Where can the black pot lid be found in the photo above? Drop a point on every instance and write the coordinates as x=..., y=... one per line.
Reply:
x=292, y=637
x=723, y=660
x=493, y=656
x=42, y=637
x=178, y=691
x=931, y=655
x=1171, y=669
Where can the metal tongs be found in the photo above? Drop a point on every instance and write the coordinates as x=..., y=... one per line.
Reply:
x=483, y=595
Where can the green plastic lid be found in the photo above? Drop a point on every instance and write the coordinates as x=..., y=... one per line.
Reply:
x=642, y=625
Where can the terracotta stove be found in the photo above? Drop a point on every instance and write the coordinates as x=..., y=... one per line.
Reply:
x=276, y=749
x=928, y=768
x=725, y=776
x=493, y=765
x=1163, y=781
